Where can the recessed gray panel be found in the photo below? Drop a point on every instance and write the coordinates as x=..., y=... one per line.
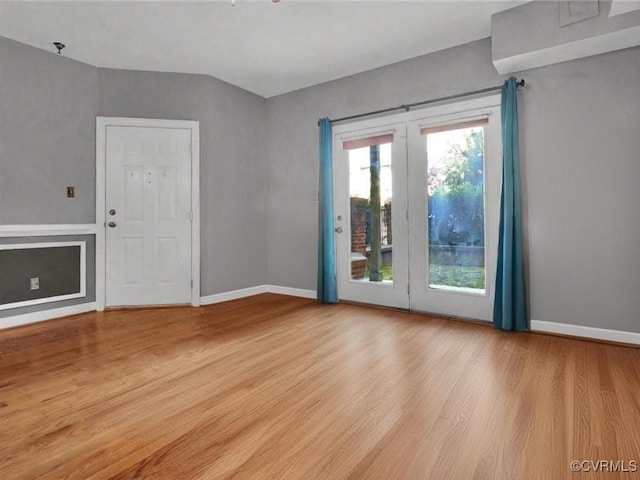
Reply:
x=56, y=268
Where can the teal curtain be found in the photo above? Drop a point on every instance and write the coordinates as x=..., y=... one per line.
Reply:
x=327, y=288
x=510, y=305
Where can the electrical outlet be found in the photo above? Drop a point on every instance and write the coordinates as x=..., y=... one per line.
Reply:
x=71, y=192
x=34, y=283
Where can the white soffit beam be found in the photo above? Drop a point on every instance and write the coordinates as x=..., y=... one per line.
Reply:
x=532, y=35
x=620, y=7
x=565, y=52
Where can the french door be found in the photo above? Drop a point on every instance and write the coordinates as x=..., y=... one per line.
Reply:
x=371, y=224
x=454, y=184
x=417, y=210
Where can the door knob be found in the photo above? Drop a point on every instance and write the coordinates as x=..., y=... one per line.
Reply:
x=112, y=224
x=338, y=229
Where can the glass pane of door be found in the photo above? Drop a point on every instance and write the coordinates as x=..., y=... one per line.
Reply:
x=370, y=218
x=455, y=206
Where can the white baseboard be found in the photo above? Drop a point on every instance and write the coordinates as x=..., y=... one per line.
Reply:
x=233, y=295
x=586, y=332
x=294, y=292
x=43, y=315
x=248, y=292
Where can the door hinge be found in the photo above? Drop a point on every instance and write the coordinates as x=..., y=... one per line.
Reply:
x=192, y=284
x=191, y=216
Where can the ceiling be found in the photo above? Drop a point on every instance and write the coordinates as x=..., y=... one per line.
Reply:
x=264, y=47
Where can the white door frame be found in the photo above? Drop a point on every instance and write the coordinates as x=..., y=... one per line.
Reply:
x=433, y=113
x=101, y=156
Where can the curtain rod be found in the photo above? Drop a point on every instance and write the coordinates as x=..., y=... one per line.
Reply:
x=409, y=106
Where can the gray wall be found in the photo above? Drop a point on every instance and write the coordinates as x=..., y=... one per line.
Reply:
x=48, y=106
x=580, y=139
x=233, y=181
x=580, y=126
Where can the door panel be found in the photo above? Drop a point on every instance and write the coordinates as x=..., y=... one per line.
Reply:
x=148, y=215
x=132, y=261
x=371, y=240
x=167, y=251
x=167, y=194
x=132, y=206
x=454, y=180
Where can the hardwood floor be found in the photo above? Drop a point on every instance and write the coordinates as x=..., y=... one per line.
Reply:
x=280, y=387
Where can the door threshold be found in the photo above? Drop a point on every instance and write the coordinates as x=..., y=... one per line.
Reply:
x=382, y=307
x=145, y=307
x=452, y=317
x=419, y=312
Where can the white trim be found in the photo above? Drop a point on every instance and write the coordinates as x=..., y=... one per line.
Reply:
x=233, y=295
x=101, y=129
x=294, y=292
x=586, y=332
x=58, y=298
x=43, y=315
x=45, y=230
x=257, y=290
x=101, y=158
x=195, y=213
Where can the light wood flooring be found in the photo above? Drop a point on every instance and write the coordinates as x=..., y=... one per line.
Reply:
x=276, y=387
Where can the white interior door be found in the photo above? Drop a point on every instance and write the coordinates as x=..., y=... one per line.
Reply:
x=371, y=224
x=148, y=216
x=454, y=184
